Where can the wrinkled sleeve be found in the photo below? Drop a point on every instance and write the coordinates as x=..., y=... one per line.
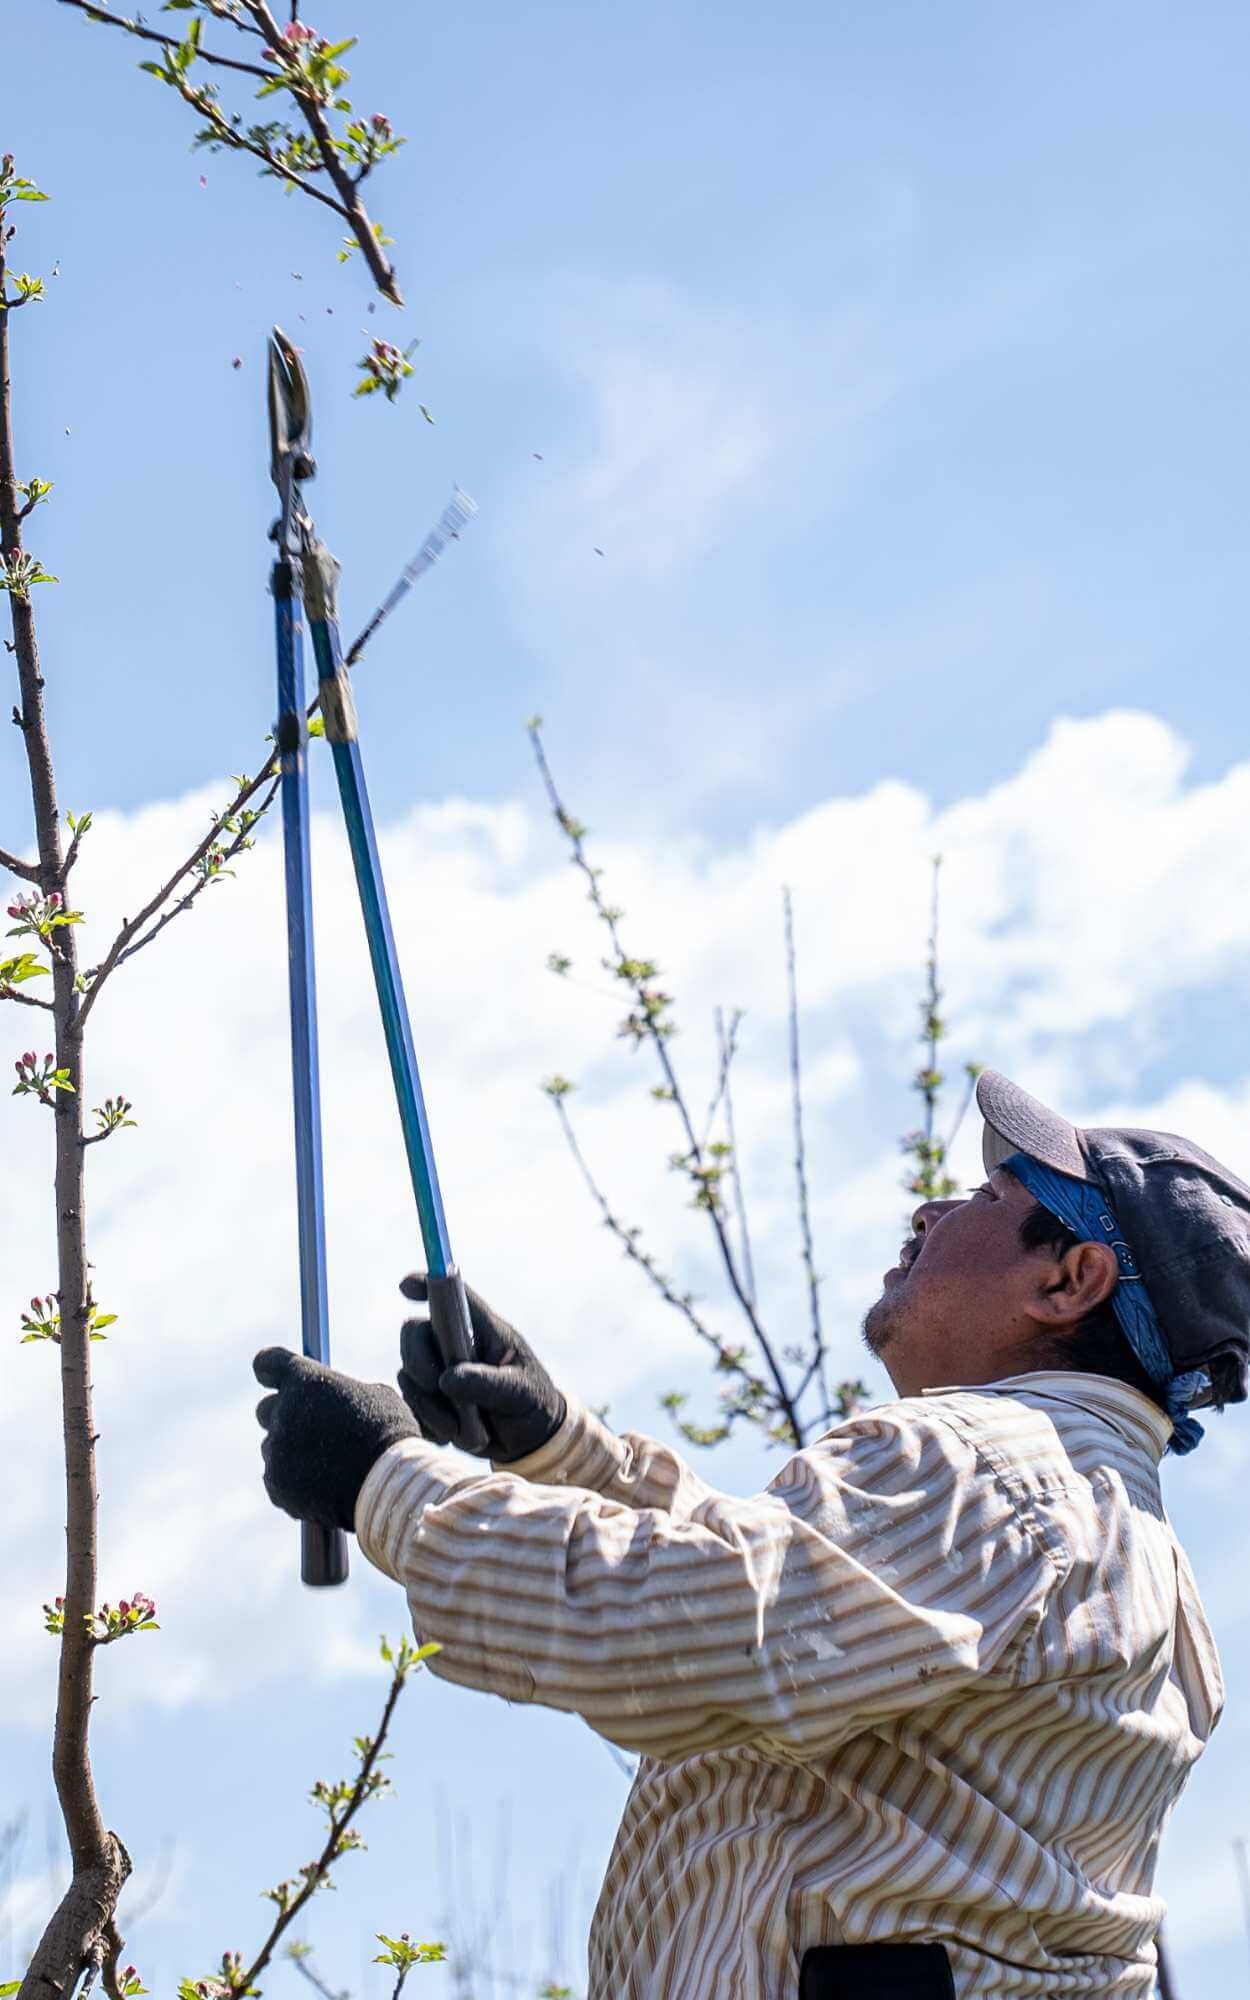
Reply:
x=638, y=1471
x=884, y=1568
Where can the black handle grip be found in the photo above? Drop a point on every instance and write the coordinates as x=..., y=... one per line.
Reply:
x=322, y=1555
x=453, y=1331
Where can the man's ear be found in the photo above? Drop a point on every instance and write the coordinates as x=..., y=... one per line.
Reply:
x=1078, y=1282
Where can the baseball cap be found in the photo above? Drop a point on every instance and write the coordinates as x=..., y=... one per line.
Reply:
x=1185, y=1218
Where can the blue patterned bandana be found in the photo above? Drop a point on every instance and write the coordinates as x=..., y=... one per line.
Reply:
x=1085, y=1210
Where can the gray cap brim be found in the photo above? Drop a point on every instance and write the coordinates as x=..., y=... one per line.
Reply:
x=1018, y=1123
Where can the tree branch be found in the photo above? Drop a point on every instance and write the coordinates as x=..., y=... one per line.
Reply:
x=242, y=1982
x=728, y=1048
x=628, y=1238
x=145, y=34
x=649, y=1029
x=28, y=870
x=800, y=1157
x=25, y=999
x=353, y=209
x=133, y=925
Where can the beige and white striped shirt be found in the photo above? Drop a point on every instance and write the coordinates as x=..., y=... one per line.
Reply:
x=943, y=1679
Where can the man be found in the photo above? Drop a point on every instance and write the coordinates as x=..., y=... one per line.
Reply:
x=911, y=1721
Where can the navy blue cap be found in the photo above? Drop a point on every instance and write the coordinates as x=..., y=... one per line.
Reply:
x=1185, y=1218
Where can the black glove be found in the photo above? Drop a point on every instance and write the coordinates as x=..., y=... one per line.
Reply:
x=323, y=1432
x=508, y=1386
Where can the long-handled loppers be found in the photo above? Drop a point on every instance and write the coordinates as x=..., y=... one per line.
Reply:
x=306, y=570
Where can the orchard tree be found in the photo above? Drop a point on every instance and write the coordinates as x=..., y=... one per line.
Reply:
x=314, y=144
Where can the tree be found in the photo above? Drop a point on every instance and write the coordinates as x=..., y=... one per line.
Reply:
x=782, y=1390
x=317, y=146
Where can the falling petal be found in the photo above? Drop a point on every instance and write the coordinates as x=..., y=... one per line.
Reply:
x=598, y=552
x=203, y=180
x=535, y=454
x=237, y=362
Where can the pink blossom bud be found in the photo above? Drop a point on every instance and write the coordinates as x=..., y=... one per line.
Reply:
x=36, y=1305
x=60, y=1603
x=124, y=1608
x=54, y=900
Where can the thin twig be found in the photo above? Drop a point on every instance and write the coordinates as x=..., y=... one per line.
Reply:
x=330, y=1852
x=785, y=1402
x=184, y=902
x=25, y=999
x=800, y=1156
x=628, y=1238
x=728, y=1046
x=28, y=870
x=133, y=925
x=306, y=1970
x=970, y=1086
x=145, y=34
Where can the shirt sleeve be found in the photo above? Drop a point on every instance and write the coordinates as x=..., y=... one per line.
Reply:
x=884, y=1568
x=637, y=1471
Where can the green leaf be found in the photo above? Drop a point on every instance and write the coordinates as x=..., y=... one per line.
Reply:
x=10, y=1985
x=317, y=726
x=14, y=970
x=103, y=1319
x=25, y=193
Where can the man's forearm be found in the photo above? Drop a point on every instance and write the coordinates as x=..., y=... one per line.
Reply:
x=633, y=1470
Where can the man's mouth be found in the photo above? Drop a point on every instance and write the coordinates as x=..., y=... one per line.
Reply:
x=906, y=1258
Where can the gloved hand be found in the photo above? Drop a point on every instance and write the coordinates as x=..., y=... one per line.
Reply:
x=508, y=1386
x=323, y=1432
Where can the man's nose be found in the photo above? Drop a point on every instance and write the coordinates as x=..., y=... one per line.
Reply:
x=929, y=1212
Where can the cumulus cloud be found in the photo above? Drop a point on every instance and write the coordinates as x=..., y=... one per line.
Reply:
x=1083, y=897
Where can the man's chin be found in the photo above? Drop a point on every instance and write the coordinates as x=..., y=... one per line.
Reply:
x=880, y=1325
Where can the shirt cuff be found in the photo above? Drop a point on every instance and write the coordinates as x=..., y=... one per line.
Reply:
x=409, y=1476
x=583, y=1452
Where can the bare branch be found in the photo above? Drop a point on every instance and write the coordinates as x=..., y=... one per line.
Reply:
x=243, y=1982
x=146, y=34
x=124, y=943
x=650, y=1029
x=728, y=1046
x=28, y=870
x=800, y=1155
x=240, y=841
x=25, y=999
x=629, y=1238
x=303, y=1965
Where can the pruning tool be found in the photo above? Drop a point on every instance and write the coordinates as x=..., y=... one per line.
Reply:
x=305, y=573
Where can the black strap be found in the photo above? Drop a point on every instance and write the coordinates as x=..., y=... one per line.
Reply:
x=876, y=1972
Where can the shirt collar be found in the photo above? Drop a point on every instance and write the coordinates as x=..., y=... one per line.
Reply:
x=1127, y=1410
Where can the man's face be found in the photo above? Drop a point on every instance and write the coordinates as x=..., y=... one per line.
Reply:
x=955, y=1306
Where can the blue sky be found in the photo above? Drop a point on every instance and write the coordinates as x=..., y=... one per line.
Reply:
x=894, y=358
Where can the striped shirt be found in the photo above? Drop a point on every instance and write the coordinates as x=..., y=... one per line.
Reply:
x=943, y=1679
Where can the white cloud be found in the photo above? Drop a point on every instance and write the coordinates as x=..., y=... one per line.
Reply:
x=1083, y=896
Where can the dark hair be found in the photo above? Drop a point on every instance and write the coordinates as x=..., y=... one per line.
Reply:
x=1097, y=1346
